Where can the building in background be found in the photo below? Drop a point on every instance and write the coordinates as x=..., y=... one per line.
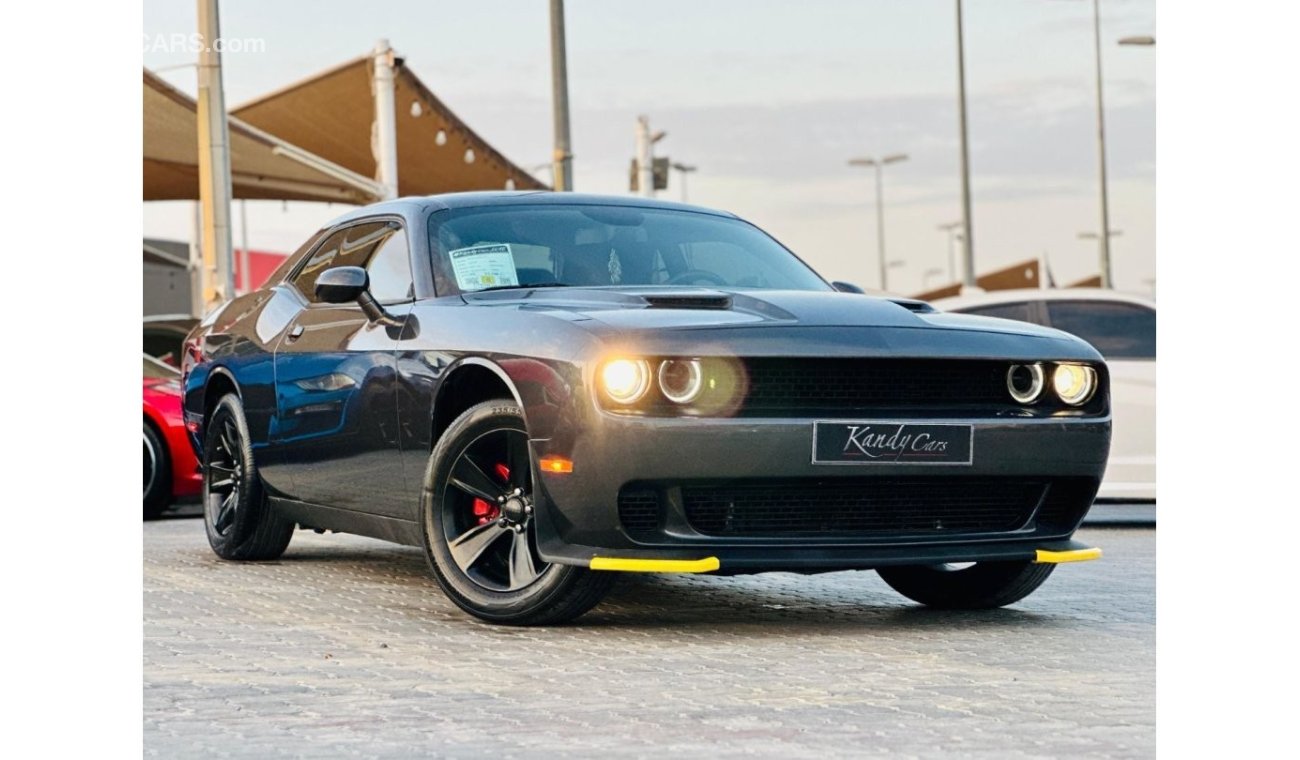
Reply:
x=167, y=275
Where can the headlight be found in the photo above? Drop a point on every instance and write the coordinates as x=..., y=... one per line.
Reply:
x=625, y=380
x=680, y=380
x=1074, y=383
x=1025, y=382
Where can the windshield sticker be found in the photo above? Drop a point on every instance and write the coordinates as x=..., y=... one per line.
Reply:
x=484, y=266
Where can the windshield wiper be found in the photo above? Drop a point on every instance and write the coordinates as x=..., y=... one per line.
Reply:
x=521, y=287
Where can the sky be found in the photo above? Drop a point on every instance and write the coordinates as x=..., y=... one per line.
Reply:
x=769, y=99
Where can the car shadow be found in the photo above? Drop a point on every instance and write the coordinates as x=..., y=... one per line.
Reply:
x=750, y=605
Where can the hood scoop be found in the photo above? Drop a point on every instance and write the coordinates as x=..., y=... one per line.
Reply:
x=688, y=301
x=914, y=306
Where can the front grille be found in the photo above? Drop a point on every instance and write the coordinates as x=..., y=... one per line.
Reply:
x=866, y=507
x=639, y=510
x=1066, y=503
x=782, y=386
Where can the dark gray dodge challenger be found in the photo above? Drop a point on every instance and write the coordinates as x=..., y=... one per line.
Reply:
x=541, y=389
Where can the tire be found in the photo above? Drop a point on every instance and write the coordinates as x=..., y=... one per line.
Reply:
x=981, y=586
x=488, y=568
x=240, y=523
x=157, y=474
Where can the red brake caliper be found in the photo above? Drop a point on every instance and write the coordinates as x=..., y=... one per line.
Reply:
x=485, y=512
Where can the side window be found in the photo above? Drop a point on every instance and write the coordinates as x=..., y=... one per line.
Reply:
x=1020, y=310
x=319, y=261
x=1117, y=330
x=349, y=247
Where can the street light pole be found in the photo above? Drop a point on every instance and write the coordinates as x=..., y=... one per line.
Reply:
x=685, y=170
x=1103, y=245
x=563, y=171
x=968, y=257
x=879, y=166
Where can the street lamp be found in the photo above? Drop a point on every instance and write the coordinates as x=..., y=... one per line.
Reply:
x=879, y=165
x=1143, y=40
x=685, y=170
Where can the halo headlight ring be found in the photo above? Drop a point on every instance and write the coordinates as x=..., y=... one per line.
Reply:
x=1074, y=384
x=1025, y=382
x=680, y=380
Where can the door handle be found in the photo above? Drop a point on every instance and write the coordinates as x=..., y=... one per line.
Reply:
x=294, y=334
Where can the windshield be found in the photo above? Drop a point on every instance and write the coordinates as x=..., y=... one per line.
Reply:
x=581, y=245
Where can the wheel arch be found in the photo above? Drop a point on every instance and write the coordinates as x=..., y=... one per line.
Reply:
x=220, y=381
x=467, y=382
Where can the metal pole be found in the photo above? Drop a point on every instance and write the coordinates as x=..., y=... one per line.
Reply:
x=245, y=276
x=1103, y=245
x=880, y=224
x=684, y=174
x=968, y=250
x=385, y=144
x=197, y=302
x=644, y=158
x=563, y=171
x=214, y=163
x=951, y=230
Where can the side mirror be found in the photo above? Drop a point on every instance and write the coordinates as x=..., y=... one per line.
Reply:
x=342, y=284
x=847, y=287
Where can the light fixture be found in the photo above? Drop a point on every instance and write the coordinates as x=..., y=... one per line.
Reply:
x=1074, y=383
x=625, y=381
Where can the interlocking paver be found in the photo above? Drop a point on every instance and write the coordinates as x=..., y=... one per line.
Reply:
x=345, y=648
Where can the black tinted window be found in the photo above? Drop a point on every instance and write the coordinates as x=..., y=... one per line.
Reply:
x=1117, y=330
x=350, y=247
x=1020, y=311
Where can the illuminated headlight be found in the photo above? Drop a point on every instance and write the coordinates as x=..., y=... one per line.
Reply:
x=680, y=380
x=1025, y=382
x=1074, y=383
x=625, y=381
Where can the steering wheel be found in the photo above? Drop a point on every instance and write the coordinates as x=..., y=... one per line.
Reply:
x=695, y=275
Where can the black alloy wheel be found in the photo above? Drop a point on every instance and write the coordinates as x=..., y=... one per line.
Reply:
x=157, y=474
x=488, y=512
x=480, y=526
x=240, y=524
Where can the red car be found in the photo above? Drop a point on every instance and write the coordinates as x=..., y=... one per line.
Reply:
x=170, y=468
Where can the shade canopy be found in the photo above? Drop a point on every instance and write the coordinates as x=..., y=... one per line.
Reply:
x=331, y=115
x=262, y=166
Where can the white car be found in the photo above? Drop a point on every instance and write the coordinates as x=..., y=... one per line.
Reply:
x=1123, y=328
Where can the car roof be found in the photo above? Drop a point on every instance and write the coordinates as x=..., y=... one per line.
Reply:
x=995, y=297
x=410, y=204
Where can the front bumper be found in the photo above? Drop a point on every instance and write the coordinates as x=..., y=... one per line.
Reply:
x=579, y=519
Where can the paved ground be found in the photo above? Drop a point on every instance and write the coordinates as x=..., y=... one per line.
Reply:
x=345, y=648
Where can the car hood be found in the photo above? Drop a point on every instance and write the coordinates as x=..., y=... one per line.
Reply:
x=662, y=308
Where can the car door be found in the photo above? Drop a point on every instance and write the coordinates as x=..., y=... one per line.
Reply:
x=1125, y=334
x=335, y=375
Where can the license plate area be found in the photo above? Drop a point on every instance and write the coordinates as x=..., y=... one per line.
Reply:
x=866, y=442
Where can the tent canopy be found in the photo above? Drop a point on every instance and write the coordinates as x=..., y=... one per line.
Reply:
x=331, y=114
x=262, y=166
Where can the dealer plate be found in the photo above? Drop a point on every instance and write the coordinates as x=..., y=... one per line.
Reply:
x=875, y=442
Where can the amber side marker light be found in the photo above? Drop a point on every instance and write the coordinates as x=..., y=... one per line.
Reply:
x=558, y=465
